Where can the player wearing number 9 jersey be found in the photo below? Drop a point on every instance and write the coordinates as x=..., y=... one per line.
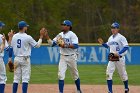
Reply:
x=22, y=44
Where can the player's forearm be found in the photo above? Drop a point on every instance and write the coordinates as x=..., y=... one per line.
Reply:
x=41, y=36
x=47, y=37
x=39, y=43
x=50, y=42
x=9, y=41
x=2, y=46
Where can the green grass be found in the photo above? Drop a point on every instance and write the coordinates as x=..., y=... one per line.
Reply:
x=89, y=74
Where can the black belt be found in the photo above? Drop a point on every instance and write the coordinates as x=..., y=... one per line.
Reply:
x=68, y=55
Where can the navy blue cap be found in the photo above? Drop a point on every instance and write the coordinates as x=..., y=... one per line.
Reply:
x=22, y=24
x=67, y=22
x=115, y=25
x=2, y=24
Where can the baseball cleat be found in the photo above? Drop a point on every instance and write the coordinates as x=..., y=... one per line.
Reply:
x=127, y=90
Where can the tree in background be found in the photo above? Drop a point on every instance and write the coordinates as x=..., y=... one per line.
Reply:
x=91, y=18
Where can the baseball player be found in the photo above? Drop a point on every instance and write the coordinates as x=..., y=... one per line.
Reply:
x=118, y=45
x=68, y=54
x=3, y=45
x=22, y=44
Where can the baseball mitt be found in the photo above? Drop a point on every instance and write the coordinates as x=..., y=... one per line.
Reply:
x=113, y=57
x=60, y=41
x=10, y=65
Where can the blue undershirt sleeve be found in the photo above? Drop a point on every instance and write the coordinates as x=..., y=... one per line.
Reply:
x=123, y=50
x=54, y=44
x=75, y=46
x=10, y=51
x=105, y=45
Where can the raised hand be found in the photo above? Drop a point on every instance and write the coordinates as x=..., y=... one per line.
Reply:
x=46, y=34
x=11, y=33
x=42, y=32
x=100, y=40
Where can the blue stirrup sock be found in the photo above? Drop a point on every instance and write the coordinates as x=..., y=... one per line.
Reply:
x=109, y=83
x=15, y=87
x=77, y=82
x=61, y=85
x=125, y=84
x=24, y=87
x=2, y=87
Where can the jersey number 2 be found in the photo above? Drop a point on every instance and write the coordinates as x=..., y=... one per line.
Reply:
x=19, y=43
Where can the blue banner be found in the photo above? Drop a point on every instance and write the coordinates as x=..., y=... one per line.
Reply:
x=92, y=54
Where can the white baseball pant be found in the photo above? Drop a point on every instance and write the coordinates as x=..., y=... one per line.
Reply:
x=22, y=69
x=3, y=77
x=120, y=65
x=70, y=62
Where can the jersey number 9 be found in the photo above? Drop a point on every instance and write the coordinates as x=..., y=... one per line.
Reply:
x=19, y=43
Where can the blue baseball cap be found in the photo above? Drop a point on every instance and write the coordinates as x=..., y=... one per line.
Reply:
x=22, y=24
x=115, y=25
x=67, y=22
x=2, y=24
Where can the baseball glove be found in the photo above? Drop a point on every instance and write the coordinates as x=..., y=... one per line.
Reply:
x=113, y=57
x=10, y=65
x=60, y=41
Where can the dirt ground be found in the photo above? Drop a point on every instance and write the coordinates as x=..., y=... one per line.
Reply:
x=53, y=88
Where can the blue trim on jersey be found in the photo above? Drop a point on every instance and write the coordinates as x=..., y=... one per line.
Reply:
x=124, y=49
x=105, y=45
x=54, y=44
x=10, y=51
x=75, y=46
x=7, y=48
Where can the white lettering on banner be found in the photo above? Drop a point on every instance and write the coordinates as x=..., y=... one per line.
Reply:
x=103, y=52
x=54, y=54
x=93, y=56
x=87, y=54
x=82, y=54
x=128, y=55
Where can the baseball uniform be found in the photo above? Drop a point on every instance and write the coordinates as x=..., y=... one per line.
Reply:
x=117, y=43
x=22, y=45
x=68, y=56
x=3, y=77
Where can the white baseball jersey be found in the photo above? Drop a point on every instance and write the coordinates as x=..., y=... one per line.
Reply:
x=116, y=43
x=22, y=44
x=3, y=77
x=6, y=45
x=0, y=41
x=68, y=56
x=69, y=38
